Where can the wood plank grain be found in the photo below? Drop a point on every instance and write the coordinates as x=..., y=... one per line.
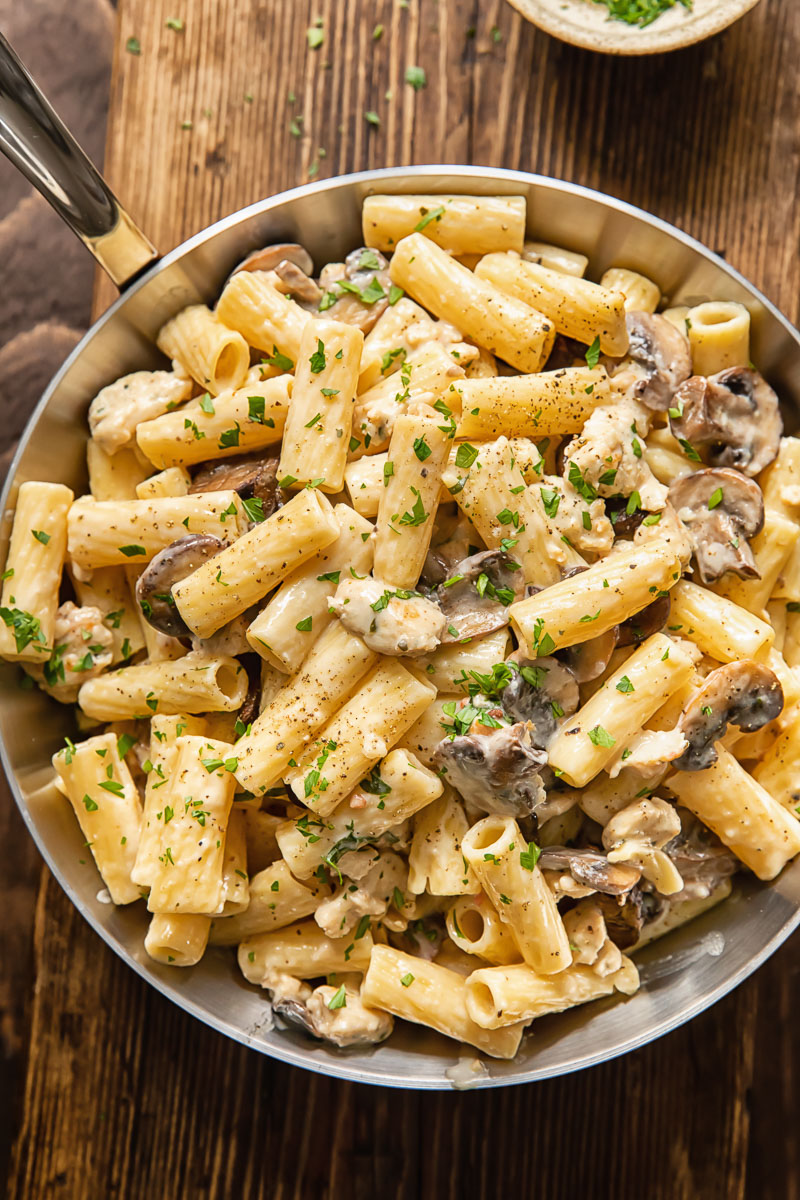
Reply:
x=125, y=1095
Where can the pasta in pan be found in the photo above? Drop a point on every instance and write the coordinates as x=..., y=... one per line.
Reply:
x=431, y=624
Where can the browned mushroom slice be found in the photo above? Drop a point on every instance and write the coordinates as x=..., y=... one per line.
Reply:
x=662, y=353
x=476, y=596
x=700, y=858
x=292, y=264
x=251, y=475
x=624, y=916
x=639, y=627
x=735, y=413
x=357, y=291
x=591, y=868
x=171, y=565
x=249, y=710
x=744, y=693
x=497, y=771
x=624, y=523
x=269, y=258
x=721, y=509
x=589, y=659
x=540, y=692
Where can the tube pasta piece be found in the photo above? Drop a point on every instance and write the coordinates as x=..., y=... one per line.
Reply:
x=460, y=224
x=268, y=320
x=385, y=346
x=427, y=994
x=435, y=861
x=500, y=323
x=577, y=308
x=497, y=997
x=177, y=939
x=608, y=593
x=772, y=548
x=32, y=575
x=237, y=577
x=475, y=928
x=164, y=733
x=493, y=495
x=107, y=589
x=115, y=476
x=641, y=294
x=192, y=684
x=216, y=357
x=386, y=704
x=741, y=812
x=721, y=629
x=302, y=950
x=719, y=336
x=188, y=876
x=116, y=532
x=277, y=899
x=780, y=481
x=98, y=785
x=407, y=510
x=428, y=373
x=173, y=481
x=233, y=422
x=542, y=405
x=235, y=880
x=364, y=482
x=506, y=868
x=286, y=629
x=604, y=726
x=425, y=734
x=329, y=676
x=668, y=465
x=556, y=258
x=779, y=769
x=450, y=667
x=398, y=788
x=317, y=432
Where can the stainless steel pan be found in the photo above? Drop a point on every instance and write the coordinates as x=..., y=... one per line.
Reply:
x=682, y=974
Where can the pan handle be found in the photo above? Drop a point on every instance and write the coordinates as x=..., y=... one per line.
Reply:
x=39, y=144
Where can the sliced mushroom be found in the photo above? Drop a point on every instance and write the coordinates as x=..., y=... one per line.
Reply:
x=624, y=916
x=640, y=626
x=360, y=286
x=700, y=857
x=250, y=708
x=540, y=692
x=347, y=1024
x=661, y=352
x=588, y=660
x=624, y=523
x=637, y=835
x=591, y=869
x=744, y=693
x=477, y=599
x=390, y=620
x=251, y=475
x=269, y=258
x=735, y=413
x=171, y=565
x=496, y=771
x=721, y=509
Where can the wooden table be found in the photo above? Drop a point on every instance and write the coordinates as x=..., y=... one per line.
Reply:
x=115, y=1093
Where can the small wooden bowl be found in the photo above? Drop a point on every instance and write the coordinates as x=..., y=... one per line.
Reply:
x=586, y=24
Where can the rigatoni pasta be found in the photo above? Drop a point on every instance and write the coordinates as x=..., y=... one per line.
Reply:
x=520, y=695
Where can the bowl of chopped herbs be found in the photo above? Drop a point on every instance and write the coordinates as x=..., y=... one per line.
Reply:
x=633, y=26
